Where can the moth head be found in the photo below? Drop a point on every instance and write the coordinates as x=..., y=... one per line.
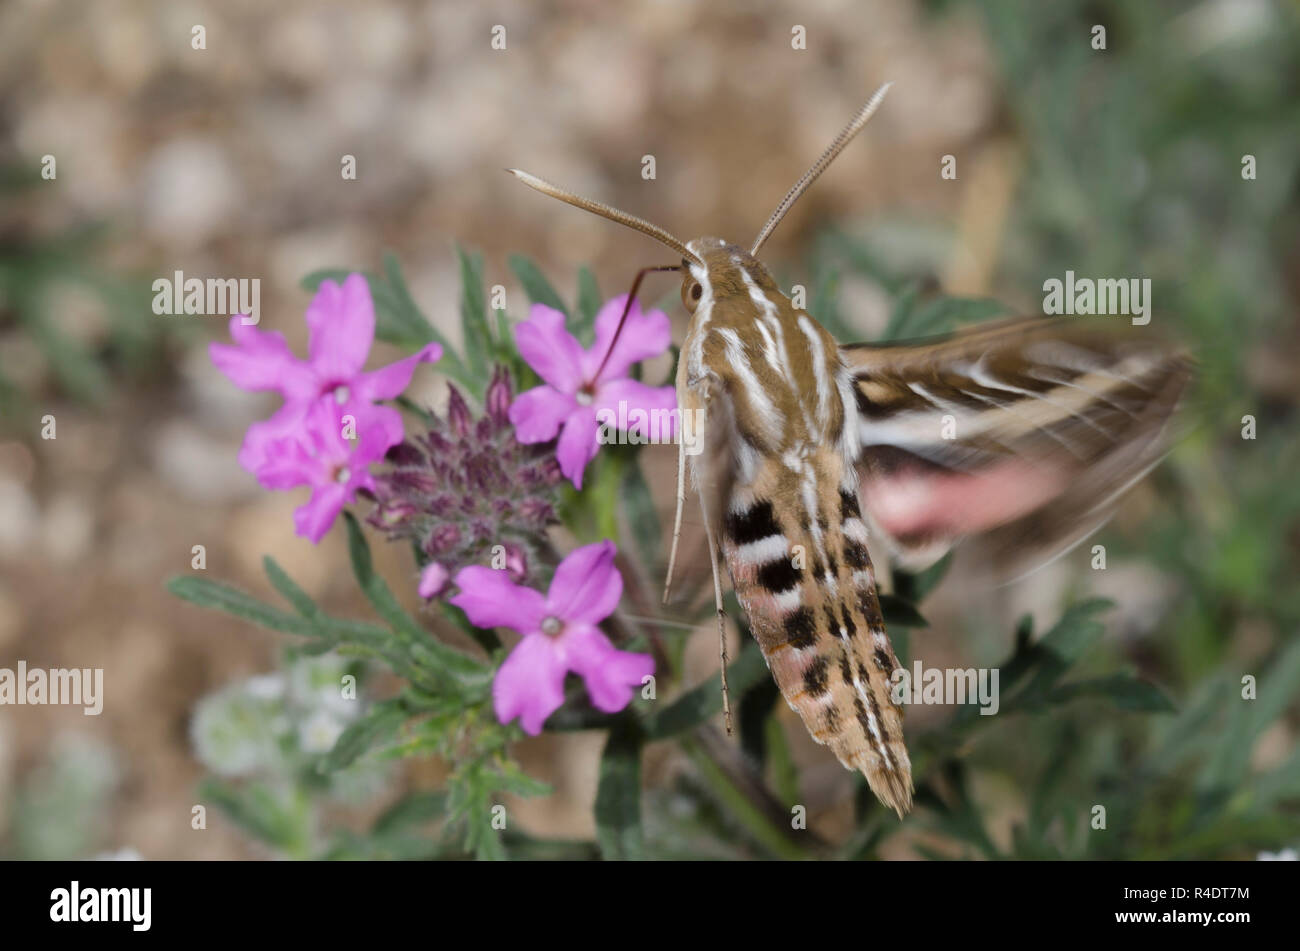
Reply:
x=700, y=272
x=727, y=272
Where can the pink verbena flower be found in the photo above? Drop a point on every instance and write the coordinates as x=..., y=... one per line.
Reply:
x=342, y=324
x=433, y=578
x=559, y=635
x=319, y=456
x=577, y=387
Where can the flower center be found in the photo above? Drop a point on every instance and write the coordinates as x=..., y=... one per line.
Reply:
x=342, y=475
x=552, y=626
x=584, y=396
x=341, y=394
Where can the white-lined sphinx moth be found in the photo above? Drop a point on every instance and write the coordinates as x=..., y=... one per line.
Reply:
x=1025, y=429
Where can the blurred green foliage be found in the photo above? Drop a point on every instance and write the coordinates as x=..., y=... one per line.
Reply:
x=35, y=271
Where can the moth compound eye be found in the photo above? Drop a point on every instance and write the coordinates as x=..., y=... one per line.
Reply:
x=691, y=294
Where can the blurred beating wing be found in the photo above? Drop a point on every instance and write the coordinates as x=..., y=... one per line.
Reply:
x=1027, y=431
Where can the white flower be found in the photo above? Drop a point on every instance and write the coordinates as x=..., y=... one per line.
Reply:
x=319, y=732
x=233, y=732
x=265, y=687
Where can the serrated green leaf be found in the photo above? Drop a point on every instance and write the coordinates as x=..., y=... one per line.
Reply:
x=618, y=795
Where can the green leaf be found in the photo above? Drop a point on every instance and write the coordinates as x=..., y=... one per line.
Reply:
x=588, y=306
x=618, y=794
x=900, y=613
x=860, y=259
x=379, y=723
x=785, y=775
x=1048, y=660
x=290, y=591
x=455, y=670
x=946, y=313
x=487, y=843
x=915, y=586
x=823, y=299
x=473, y=315
x=904, y=305
x=640, y=512
x=705, y=701
x=255, y=808
x=515, y=781
x=404, y=307
x=411, y=810
x=538, y=289
x=213, y=594
x=1277, y=688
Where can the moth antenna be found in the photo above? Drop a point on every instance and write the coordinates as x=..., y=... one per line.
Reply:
x=846, y=135
x=606, y=211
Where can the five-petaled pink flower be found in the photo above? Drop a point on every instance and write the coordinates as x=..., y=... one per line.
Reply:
x=581, y=383
x=328, y=399
x=559, y=635
x=319, y=456
x=341, y=320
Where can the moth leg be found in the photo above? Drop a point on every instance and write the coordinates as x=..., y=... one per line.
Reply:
x=722, y=619
x=677, y=519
